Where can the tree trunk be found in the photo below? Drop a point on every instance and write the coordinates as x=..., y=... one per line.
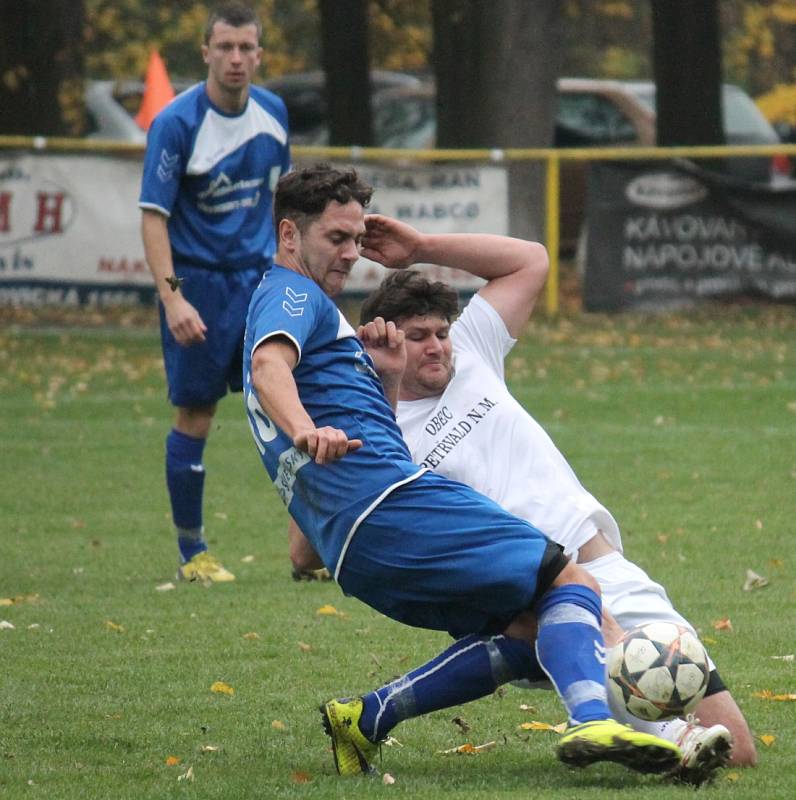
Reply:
x=41, y=67
x=687, y=68
x=344, y=39
x=496, y=65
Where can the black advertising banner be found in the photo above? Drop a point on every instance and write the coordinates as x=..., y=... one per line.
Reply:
x=667, y=235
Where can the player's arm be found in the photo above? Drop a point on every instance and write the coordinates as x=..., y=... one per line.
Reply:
x=515, y=269
x=385, y=345
x=182, y=318
x=273, y=363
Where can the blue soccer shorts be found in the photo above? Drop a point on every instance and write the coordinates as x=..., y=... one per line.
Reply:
x=437, y=554
x=201, y=374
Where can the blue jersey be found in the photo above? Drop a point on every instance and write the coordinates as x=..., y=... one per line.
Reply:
x=213, y=174
x=339, y=387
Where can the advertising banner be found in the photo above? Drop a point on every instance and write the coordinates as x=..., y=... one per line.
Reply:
x=668, y=235
x=70, y=224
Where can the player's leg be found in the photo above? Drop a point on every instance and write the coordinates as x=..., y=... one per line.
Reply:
x=185, y=476
x=458, y=562
x=634, y=598
x=197, y=379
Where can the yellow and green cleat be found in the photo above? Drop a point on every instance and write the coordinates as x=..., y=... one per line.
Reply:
x=608, y=740
x=206, y=568
x=352, y=750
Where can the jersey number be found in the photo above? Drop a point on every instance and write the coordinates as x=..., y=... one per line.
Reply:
x=263, y=429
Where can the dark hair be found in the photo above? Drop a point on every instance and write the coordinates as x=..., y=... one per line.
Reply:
x=409, y=293
x=235, y=14
x=302, y=195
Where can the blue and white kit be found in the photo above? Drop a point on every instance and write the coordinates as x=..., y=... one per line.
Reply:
x=213, y=175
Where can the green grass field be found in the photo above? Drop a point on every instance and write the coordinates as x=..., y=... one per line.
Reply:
x=682, y=425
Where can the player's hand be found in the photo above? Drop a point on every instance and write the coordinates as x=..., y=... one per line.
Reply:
x=390, y=242
x=386, y=346
x=325, y=444
x=184, y=322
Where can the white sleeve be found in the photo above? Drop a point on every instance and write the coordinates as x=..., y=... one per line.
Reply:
x=481, y=330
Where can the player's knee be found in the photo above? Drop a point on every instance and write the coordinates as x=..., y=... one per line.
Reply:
x=574, y=573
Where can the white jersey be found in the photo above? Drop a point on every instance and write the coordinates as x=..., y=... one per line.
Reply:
x=478, y=434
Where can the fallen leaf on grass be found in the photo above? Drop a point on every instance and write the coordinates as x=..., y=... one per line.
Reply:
x=767, y=739
x=165, y=587
x=767, y=694
x=5, y=625
x=754, y=581
x=542, y=726
x=387, y=779
x=220, y=515
x=732, y=777
x=247, y=559
x=329, y=611
x=788, y=657
x=304, y=647
x=468, y=749
x=461, y=723
x=172, y=761
x=278, y=725
x=722, y=624
x=208, y=748
x=391, y=741
x=187, y=775
x=251, y=636
x=114, y=626
x=219, y=687
x=31, y=597
x=301, y=777
x=526, y=707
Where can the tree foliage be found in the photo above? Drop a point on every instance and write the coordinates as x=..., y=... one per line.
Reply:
x=41, y=67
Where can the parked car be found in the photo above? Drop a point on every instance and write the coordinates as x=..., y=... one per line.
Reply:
x=111, y=106
x=303, y=93
x=591, y=113
x=107, y=116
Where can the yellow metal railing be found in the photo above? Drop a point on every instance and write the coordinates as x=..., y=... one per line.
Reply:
x=552, y=156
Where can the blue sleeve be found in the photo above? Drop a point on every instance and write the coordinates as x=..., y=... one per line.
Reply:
x=287, y=310
x=164, y=164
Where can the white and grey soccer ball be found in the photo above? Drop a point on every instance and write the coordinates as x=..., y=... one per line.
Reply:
x=658, y=670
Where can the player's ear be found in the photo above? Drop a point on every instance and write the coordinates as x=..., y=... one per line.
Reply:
x=288, y=233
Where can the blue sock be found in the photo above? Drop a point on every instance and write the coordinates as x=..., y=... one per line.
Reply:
x=185, y=478
x=571, y=650
x=470, y=668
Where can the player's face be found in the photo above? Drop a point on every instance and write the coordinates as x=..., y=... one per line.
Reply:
x=232, y=55
x=329, y=246
x=429, y=357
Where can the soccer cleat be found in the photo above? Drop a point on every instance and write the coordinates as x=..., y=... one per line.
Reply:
x=321, y=574
x=352, y=749
x=205, y=568
x=608, y=740
x=705, y=750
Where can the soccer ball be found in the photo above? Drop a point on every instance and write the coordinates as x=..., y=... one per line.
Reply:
x=658, y=670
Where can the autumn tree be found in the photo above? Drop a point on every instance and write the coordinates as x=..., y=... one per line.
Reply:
x=344, y=47
x=41, y=67
x=496, y=66
x=687, y=68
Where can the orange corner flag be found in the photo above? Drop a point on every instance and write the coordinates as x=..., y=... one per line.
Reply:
x=158, y=91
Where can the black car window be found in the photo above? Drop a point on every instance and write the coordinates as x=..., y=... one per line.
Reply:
x=588, y=120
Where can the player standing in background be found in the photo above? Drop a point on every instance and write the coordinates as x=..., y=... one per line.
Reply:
x=213, y=158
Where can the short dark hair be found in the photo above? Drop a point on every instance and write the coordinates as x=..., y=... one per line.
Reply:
x=408, y=293
x=235, y=14
x=302, y=195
